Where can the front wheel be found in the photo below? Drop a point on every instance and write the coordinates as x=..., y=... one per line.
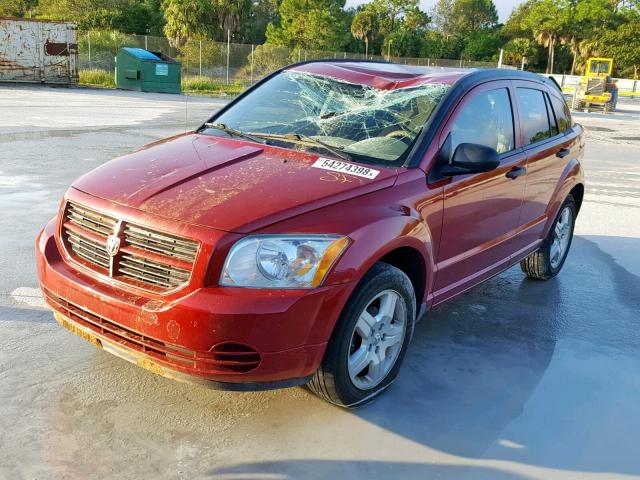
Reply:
x=370, y=339
x=547, y=261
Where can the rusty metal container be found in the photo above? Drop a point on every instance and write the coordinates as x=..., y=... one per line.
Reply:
x=39, y=51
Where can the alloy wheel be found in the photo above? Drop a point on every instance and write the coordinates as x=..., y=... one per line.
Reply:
x=377, y=339
x=561, y=237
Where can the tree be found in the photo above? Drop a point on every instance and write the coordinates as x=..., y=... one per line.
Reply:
x=17, y=8
x=231, y=14
x=363, y=25
x=519, y=49
x=547, y=19
x=441, y=17
x=184, y=20
x=483, y=45
x=310, y=24
x=390, y=12
x=261, y=14
x=468, y=16
x=622, y=45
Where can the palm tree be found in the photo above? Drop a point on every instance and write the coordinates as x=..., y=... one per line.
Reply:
x=361, y=27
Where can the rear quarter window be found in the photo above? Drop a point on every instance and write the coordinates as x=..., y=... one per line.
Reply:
x=534, y=117
x=563, y=116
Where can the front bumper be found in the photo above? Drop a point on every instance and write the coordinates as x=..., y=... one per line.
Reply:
x=230, y=338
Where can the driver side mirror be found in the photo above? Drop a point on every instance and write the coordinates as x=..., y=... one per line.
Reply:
x=471, y=158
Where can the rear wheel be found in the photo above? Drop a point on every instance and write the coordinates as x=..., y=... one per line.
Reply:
x=370, y=339
x=547, y=261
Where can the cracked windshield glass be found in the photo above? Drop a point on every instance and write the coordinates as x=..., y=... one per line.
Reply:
x=337, y=118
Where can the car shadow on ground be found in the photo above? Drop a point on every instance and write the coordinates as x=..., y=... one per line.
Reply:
x=476, y=362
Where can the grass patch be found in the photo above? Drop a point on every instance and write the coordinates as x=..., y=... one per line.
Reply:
x=191, y=84
x=97, y=78
x=194, y=84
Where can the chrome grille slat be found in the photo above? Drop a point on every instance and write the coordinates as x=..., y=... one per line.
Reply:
x=153, y=268
x=160, y=243
x=145, y=278
x=93, y=221
x=91, y=247
x=176, y=253
x=88, y=250
x=129, y=266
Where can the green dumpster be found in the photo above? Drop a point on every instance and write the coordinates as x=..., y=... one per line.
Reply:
x=147, y=71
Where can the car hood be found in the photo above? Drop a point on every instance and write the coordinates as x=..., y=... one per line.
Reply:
x=224, y=183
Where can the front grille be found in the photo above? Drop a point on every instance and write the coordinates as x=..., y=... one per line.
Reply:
x=151, y=272
x=223, y=358
x=90, y=220
x=161, y=243
x=89, y=250
x=147, y=258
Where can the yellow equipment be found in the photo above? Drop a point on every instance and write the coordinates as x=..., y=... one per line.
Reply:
x=596, y=89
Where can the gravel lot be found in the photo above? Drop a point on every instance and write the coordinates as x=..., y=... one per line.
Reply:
x=514, y=380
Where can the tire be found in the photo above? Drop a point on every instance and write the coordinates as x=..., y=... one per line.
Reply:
x=335, y=381
x=544, y=264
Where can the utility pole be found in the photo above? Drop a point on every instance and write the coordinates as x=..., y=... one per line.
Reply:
x=389, y=51
x=500, y=59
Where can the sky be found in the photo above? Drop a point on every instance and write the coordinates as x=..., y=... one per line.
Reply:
x=504, y=6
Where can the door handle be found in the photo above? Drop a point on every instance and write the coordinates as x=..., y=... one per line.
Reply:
x=563, y=152
x=515, y=172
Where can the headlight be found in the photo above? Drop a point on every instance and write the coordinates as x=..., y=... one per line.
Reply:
x=281, y=261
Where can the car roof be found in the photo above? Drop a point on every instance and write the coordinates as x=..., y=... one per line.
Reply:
x=388, y=76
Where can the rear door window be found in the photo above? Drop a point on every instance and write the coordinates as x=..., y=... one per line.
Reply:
x=534, y=117
x=487, y=119
x=563, y=116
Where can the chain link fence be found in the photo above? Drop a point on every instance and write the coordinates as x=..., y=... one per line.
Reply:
x=227, y=62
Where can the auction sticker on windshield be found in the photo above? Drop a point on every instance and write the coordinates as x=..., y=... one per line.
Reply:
x=345, y=167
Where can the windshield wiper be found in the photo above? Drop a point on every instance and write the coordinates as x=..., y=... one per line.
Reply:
x=234, y=132
x=300, y=138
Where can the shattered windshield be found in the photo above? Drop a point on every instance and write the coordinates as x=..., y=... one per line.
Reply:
x=314, y=112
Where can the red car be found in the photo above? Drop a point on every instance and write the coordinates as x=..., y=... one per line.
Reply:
x=296, y=237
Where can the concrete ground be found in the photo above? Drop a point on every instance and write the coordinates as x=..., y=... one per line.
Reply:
x=514, y=380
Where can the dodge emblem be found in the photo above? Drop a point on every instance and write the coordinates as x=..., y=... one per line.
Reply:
x=113, y=245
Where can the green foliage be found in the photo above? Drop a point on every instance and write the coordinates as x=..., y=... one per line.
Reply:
x=439, y=45
x=551, y=34
x=266, y=59
x=622, y=45
x=483, y=45
x=127, y=16
x=17, y=8
x=262, y=14
x=212, y=53
x=105, y=45
x=97, y=78
x=193, y=84
x=469, y=16
x=310, y=24
x=404, y=43
x=518, y=48
x=363, y=25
